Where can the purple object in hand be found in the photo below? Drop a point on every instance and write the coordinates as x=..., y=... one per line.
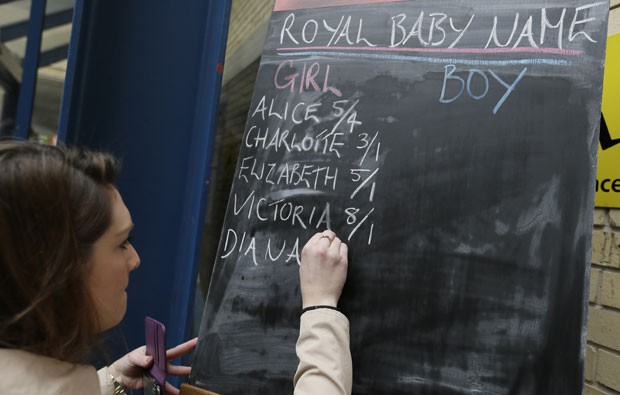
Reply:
x=156, y=346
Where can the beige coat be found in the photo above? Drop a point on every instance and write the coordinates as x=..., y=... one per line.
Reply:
x=23, y=373
x=325, y=366
x=322, y=348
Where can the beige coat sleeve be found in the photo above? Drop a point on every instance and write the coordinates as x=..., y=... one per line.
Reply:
x=24, y=373
x=325, y=366
x=105, y=381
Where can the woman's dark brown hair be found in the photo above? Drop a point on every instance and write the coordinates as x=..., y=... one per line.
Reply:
x=53, y=207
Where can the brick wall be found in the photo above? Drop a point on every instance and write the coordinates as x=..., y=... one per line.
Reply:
x=614, y=18
x=602, y=370
x=245, y=17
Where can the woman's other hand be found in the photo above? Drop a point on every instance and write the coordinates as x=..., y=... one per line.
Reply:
x=129, y=369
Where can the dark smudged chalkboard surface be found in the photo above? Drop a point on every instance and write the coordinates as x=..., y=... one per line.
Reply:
x=453, y=146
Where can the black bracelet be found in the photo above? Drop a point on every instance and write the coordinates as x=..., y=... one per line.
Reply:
x=321, y=306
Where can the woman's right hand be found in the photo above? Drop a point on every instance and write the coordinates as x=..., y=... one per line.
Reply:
x=323, y=269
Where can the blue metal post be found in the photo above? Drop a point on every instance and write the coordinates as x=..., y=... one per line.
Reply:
x=30, y=68
x=143, y=81
x=197, y=181
x=73, y=61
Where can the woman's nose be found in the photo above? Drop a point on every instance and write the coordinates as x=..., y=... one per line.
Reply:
x=134, y=261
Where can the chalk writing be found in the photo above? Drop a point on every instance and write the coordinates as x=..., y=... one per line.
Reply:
x=449, y=144
x=341, y=32
x=323, y=129
x=309, y=79
x=247, y=245
x=291, y=174
x=439, y=29
x=466, y=85
x=436, y=34
x=543, y=31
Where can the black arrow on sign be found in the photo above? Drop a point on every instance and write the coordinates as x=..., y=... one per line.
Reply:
x=605, y=137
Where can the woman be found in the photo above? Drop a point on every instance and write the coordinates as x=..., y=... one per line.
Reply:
x=65, y=259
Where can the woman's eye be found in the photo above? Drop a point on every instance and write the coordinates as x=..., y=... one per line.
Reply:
x=127, y=242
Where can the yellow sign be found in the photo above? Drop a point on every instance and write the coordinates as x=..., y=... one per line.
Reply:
x=608, y=174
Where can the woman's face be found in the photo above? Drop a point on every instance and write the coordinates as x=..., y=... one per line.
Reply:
x=113, y=257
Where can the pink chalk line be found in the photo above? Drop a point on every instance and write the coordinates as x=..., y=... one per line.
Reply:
x=553, y=51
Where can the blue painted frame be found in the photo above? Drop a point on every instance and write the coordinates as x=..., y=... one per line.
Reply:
x=69, y=97
x=143, y=81
x=53, y=18
x=30, y=68
x=197, y=186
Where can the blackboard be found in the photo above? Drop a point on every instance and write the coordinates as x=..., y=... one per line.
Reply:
x=453, y=146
